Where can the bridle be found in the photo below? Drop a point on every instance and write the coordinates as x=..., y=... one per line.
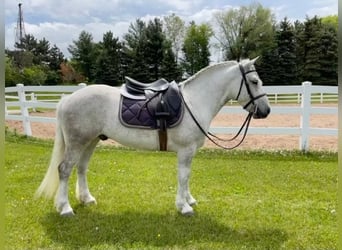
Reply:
x=244, y=82
x=247, y=121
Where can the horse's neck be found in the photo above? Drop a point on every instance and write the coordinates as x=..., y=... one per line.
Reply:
x=207, y=94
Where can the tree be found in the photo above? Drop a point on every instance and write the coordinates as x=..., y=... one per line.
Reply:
x=330, y=21
x=170, y=69
x=311, y=71
x=28, y=43
x=55, y=58
x=108, y=62
x=34, y=75
x=328, y=55
x=174, y=28
x=285, y=38
x=196, y=47
x=31, y=52
x=133, y=51
x=299, y=28
x=83, y=52
x=41, y=52
x=317, y=51
x=154, y=49
x=69, y=74
x=147, y=54
x=12, y=75
x=245, y=32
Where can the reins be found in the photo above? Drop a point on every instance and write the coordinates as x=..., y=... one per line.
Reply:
x=245, y=124
x=211, y=137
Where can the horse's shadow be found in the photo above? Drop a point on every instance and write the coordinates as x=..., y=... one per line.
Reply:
x=127, y=229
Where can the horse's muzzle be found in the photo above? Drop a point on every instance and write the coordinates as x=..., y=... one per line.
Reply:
x=260, y=113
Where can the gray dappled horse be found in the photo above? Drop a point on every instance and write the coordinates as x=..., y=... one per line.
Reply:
x=92, y=113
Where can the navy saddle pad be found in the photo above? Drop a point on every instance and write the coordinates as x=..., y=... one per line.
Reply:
x=148, y=111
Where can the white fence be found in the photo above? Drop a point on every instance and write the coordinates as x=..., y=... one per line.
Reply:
x=17, y=97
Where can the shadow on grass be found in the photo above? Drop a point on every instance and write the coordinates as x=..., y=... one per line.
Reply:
x=141, y=230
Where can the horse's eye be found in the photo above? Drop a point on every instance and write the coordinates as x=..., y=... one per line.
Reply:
x=255, y=82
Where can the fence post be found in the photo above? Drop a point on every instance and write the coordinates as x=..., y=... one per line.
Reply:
x=305, y=116
x=24, y=109
x=33, y=99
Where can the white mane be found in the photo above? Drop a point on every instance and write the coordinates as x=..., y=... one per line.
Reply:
x=208, y=68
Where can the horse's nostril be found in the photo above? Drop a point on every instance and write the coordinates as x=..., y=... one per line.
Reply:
x=268, y=110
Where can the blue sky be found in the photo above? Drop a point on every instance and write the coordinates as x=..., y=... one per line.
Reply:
x=61, y=21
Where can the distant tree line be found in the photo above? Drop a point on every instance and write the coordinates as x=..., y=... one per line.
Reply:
x=289, y=52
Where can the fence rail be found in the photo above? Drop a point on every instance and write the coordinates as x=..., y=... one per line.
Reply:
x=304, y=94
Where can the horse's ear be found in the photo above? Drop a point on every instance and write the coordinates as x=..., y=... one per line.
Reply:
x=254, y=60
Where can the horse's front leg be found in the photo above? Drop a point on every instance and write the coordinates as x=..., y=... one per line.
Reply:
x=184, y=199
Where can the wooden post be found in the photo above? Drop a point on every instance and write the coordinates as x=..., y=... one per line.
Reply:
x=33, y=99
x=24, y=109
x=82, y=84
x=305, y=117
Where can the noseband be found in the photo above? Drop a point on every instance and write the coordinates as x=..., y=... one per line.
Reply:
x=244, y=82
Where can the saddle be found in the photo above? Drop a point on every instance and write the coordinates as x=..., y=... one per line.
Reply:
x=137, y=88
x=155, y=105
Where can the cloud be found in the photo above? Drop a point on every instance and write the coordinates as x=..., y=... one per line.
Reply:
x=323, y=11
x=62, y=34
x=61, y=22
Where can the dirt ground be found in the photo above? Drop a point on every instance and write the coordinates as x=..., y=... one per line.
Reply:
x=267, y=142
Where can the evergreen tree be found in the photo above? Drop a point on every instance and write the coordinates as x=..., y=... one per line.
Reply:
x=83, y=52
x=107, y=67
x=41, y=52
x=56, y=57
x=170, y=70
x=133, y=51
x=28, y=43
x=147, y=54
x=328, y=55
x=154, y=50
x=268, y=66
x=311, y=70
x=287, y=70
x=299, y=49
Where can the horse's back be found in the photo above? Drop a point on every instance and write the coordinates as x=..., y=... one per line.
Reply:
x=88, y=110
x=89, y=98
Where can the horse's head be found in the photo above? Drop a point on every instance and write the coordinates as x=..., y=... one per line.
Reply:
x=251, y=95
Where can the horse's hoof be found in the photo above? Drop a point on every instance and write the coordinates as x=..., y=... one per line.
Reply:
x=193, y=203
x=67, y=214
x=90, y=202
x=188, y=214
x=187, y=211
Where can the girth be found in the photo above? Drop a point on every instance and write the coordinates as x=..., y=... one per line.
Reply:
x=157, y=105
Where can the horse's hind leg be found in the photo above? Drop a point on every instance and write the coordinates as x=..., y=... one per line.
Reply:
x=82, y=190
x=71, y=157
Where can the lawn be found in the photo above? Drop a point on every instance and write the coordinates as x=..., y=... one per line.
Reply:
x=246, y=200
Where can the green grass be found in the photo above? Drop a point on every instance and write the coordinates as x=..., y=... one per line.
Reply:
x=247, y=200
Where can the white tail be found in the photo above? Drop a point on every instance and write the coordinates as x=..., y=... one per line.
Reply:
x=50, y=183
